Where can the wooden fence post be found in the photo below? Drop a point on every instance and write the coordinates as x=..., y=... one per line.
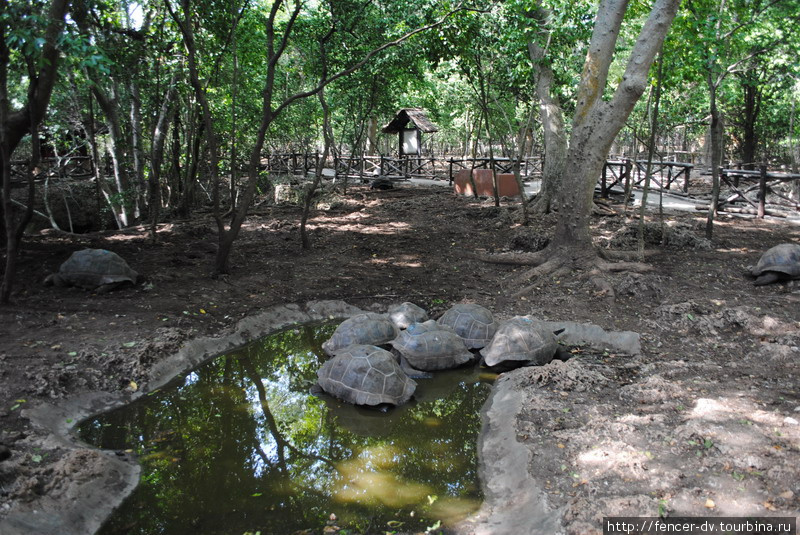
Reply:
x=762, y=191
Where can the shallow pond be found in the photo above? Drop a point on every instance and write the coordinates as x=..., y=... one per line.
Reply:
x=239, y=445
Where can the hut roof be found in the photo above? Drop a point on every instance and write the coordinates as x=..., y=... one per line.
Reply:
x=418, y=116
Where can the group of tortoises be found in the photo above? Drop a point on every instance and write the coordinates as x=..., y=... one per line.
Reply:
x=362, y=373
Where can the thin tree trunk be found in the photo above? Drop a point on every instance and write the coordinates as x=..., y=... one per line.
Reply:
x=96, y=164
x=327, y=134
x=136, y=136
x=15, y=125
x=110, y=106
x=157, y=156
x=552, y=117
x=650, y=150
x=234, y=94
x=716, y=156
x=794, y=148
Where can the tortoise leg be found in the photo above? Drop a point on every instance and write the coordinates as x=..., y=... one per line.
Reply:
x=768, y=277
x=413, y=372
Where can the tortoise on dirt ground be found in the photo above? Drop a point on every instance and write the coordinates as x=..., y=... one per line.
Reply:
x=367, y=328
x=429, y=346
x=520, y=342
x=93, y=269
x=782, y=262
x=366, y=375
x=405, y=314
x=474, y=323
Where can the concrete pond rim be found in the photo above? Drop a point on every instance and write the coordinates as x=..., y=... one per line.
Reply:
x=512, y=498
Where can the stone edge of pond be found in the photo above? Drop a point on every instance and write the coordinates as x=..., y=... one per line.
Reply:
x=86, y=504
x=514, y=500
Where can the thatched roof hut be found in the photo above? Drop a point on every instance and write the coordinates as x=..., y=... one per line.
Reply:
x=417, y=116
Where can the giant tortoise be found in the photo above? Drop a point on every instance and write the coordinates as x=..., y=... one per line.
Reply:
x=782, y=262
x=93, y=269
x=429, y=346
x=406, y=313
x=365, y=375
x=367, y=328
x=474, y=323
x=520, y=342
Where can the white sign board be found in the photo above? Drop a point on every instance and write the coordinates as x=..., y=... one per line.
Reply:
x=410, y=142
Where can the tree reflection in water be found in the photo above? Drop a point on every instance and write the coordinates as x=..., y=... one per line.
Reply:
x=239, y=445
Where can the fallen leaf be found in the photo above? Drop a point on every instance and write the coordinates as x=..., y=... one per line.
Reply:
x=133, y=386
x=710, y=503
x=788, y=495
x=769, y=506
x=562, y=446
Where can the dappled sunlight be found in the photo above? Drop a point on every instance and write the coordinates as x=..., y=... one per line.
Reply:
x=615, y=458
x=404, y=261
x=450, y=509
x=728, y=455
x=336, y=225
x=723, y=409
x=370, y=477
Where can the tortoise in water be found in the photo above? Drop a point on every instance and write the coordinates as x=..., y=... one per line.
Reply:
x=474, y=323
x=782, y=262
x=520, y=341
x=405, y=314
x=367, y=328
x=429, y=346
x=366, y=375
x=93, y=269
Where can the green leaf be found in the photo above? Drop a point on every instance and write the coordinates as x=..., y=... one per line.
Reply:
x=129, y=344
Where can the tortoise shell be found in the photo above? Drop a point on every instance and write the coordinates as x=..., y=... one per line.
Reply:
x=428, y=346
x=92, y=268
x=520, y=340
x=405, y=314
x=367, y=328
x=474, y=323
x=778, y=263
x=365, y=375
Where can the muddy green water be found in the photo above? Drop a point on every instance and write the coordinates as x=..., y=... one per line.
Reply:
x=240, y=446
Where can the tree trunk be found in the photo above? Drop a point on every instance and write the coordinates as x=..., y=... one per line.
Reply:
x=597, y=122
x=552, y=117
x=136, y=135
x=157, y=156
x=327, y=134
x=716, y=132
x=794, y=149
x=372, y=135
x=651, y=149
x=110, y=107
x=752, y=108
x=15, y=125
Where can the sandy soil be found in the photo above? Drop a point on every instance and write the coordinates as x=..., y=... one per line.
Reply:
x=703, y=421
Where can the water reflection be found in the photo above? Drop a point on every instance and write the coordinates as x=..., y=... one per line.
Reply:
x=238, y=445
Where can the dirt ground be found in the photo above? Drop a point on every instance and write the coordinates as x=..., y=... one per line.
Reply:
x=703, y=422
